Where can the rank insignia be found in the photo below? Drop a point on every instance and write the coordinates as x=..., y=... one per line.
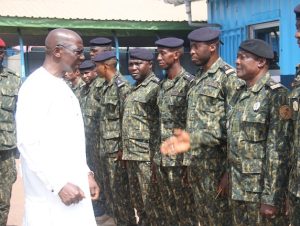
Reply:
x=256, y=106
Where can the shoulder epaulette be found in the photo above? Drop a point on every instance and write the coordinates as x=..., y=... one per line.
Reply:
x=274, y=85
x=227, y=69
x=189, y=77
x=11, y=72
x=155, y=79
x=119, y=82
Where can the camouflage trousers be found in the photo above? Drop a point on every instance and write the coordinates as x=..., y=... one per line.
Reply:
x=212, y=209
x=96, y=164
x=177, y=197
x=117, y=193
x=145, y=194
x=247, y=214
x=294, y=210
x=8, y=175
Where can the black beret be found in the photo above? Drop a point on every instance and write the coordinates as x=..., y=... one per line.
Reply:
x=297, y=11
x=204, y=34
x=170, y=42
x=104, y=56
x=100, y=41
x=142, y=54
x=258, y=47
x=87, y=64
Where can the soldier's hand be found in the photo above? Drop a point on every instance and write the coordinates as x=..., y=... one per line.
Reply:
x=94, y=188
x=71, y=194
x=178, y=143
x=268, y=211
x=223, y=188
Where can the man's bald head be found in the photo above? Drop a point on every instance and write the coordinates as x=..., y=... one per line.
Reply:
x=60, y=36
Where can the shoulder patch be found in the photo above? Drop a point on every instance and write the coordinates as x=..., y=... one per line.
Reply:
x=189, y=77
x=285, y=112
x=119, y=82
x=228, y=70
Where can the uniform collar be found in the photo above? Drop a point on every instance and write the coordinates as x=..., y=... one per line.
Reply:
x=146, y=81
x=260, y=83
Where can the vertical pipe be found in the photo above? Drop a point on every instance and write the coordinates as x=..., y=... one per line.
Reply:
x=117, y=49
x=22, y=61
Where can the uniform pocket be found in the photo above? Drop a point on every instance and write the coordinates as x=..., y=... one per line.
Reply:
x=251, y=169
x=8, y=99
x=254, y=127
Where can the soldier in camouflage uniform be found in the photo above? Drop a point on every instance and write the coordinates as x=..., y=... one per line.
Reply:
x=172, y=103
x=90, y=111
x=294, y=177
x=206, y=119
x=140, y=128
x=99, y=45
x=113, y=94
x=74, y=81
x=258, y=140
x=9, y=86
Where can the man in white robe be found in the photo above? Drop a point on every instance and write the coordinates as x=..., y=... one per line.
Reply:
x=50, y=135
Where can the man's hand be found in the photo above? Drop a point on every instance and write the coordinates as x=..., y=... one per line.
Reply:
x=71, y=194
x=178, y=143
x=223, y=188
x=268, y=211
x=94, y=188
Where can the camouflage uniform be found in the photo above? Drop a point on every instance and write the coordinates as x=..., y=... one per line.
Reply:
x=140, y=128
x=294, y=177
x=77, y=88
x=258, y=145
x=113, y=94
x=89, y=103
x=177, y=196
x=9, y=86
x=206, y=120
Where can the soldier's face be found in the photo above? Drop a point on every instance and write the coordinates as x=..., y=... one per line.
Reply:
x=247, y=66
x=71, y=76
x=139, y=69
x=95, y=50
x=88, y=75
x=100, y=69
x=166, y=57
x=297, y=34
x=200, y=53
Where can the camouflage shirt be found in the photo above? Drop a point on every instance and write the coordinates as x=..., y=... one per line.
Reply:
x=258, y=142
x=9, y=86
x=140, y=121
x=172, y=104
x=77, y=88
x=113, y=94
x=294, y=100
x=206, y=116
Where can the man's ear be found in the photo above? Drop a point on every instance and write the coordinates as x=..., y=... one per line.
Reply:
x=213, y=47
x=57, y=52
x=261, y=62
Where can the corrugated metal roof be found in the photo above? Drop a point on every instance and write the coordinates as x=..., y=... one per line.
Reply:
x=132, y=10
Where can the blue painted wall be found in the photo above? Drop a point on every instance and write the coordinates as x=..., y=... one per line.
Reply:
x=235, y=16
